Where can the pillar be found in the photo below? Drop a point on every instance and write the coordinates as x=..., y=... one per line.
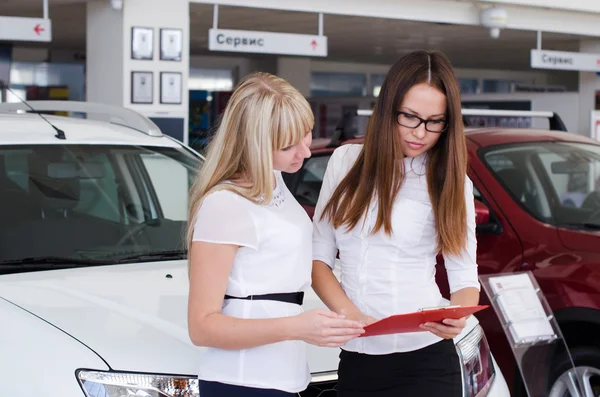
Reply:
x=111, y=69
x=589, y=83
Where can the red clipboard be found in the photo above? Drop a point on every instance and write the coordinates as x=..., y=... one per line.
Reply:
x=410, y=322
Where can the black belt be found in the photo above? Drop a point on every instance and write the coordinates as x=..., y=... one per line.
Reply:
x=288, y=297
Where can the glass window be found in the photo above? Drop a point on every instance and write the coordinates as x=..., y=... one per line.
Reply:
x=338, y=84
x=557, y=182
x=476, y=193
x=468, y=86
x=376, y=83
x=93, y=204
x=164, y=172
x=309, y=187
x=210, y=79
x=498, y=86
x=68, y=75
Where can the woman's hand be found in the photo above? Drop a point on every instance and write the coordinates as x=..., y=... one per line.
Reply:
x=449, y=328
x=361, y=318
x=325, y=328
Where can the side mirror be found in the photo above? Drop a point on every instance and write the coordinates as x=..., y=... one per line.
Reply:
x=483, y=221
x=482, y=213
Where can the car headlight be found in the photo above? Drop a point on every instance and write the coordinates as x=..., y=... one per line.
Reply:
x=477, y=366
x=118, y=384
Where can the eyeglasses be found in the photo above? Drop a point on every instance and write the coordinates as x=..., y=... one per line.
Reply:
x=413, y=121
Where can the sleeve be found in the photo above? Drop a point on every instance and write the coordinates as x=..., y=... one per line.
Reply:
x=462, y=269
x=224, y=219
x=324, y=244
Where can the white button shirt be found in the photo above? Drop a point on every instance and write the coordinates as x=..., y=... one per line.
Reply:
x=274, y=256
x=385, y=274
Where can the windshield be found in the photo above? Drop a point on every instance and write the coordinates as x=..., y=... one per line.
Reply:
x=556, y=182
x=74, y=205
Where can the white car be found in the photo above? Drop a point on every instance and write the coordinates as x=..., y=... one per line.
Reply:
x=93, y=276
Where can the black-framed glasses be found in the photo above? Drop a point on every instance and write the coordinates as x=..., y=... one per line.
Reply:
x=410, y=120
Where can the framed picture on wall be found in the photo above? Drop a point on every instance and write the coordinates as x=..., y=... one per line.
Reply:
x=142, y=43
x=171, y=44
x=170, y=87
x=142, y=88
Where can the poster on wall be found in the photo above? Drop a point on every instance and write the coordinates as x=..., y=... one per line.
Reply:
x=142, y=43
x=171, y=44
x=170, y=87
x=142, y=88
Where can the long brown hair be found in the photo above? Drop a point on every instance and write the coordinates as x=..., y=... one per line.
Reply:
x=378, y=173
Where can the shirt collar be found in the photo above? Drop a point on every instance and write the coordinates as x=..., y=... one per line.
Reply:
x=416, y=164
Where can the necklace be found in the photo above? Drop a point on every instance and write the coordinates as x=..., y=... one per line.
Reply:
x=278, y=198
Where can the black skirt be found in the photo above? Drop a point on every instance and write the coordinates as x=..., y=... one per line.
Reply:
x=432, y=371
x=216, y=389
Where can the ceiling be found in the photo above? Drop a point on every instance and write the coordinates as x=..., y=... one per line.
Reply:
x=350, y=38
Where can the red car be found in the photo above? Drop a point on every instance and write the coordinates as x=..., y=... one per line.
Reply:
x=538, y=209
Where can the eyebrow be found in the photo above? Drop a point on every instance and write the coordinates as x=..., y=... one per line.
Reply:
x=417, y=113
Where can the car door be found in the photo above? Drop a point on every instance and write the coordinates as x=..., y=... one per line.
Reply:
x=498, y=250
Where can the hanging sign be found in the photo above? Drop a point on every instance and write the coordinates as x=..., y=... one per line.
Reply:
x=561, y=60
x=267, y=42
x=25, y=29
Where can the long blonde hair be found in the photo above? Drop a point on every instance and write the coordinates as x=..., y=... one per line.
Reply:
x=264, y=114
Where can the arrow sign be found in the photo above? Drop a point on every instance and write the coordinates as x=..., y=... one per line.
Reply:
x=267, y=42
x=25, y=29
x=38, y=29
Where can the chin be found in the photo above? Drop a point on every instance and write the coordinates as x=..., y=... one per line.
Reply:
x=414, y=153
x=293, y=168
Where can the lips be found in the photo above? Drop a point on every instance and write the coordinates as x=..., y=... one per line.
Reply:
x=414, y=145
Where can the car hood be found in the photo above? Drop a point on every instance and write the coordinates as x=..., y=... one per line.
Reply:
x=133, y=316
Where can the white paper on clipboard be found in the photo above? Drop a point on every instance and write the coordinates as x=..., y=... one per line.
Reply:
x=521, y=307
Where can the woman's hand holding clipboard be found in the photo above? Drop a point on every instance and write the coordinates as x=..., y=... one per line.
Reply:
x=411, y=322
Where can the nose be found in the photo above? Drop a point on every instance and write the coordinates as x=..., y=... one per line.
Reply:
x=305, y=151
x=420, y=131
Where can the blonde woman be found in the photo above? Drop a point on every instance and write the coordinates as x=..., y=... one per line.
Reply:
x=250, y=250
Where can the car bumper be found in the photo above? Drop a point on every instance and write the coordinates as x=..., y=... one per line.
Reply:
x=499, y=386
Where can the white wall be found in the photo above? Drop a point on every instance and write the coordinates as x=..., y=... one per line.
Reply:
x=589, y=83
x=156, y=14
x=104, y=62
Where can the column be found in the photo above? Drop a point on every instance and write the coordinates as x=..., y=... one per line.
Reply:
x=589, y=83
x=111, y=69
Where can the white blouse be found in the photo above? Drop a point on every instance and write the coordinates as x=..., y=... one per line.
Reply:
x=385, y=274
x=275, y=256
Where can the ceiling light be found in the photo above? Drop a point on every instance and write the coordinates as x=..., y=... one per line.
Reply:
x=495, y=19
x=116, y=4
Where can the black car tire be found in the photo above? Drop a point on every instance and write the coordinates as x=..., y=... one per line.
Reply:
x=582, y=357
